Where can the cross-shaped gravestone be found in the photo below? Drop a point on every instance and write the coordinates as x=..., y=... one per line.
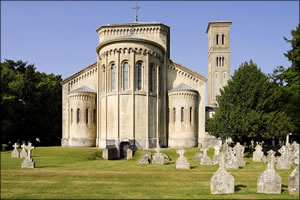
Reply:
x=15, y=146
x=158, y=150
x=271, y=159
x=23, y=146
x=23, y=153
x=29, y=147
x=204, y=152
x=181, y=152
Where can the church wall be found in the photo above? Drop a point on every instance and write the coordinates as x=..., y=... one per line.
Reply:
x=65, y=115
x=112, y=117
x=126, y=132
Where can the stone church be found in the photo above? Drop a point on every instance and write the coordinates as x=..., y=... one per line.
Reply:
x=136, y=95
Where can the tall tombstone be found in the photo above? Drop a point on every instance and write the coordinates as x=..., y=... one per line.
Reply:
x=28, y=162
x=258, y=154
x=295, y=152
x=269, y=181
x=293, y=181
x=284, y=161
x=15, y=153
x=23, y=153
x=205, y=160
x=239, y=150
x=231, y=161
x=129, y=154
x=216, y=154
x=158, y=158
x=182, y=162
x=222, y=182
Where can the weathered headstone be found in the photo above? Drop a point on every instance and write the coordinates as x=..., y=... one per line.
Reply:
x=269, y=181
x=129, y=154
x=110, y=153
x=258, y=154
x=28, y=162
x=239, y=150
x=231, y=161
x=216, y=154
x=23, y=153
x=284, y=161
x=205, y=160
x=145, y=159
x=293, y=181
x=295, y=152
x=15, y=153
x=222, y=182
x=158, y=158
x=182, y=162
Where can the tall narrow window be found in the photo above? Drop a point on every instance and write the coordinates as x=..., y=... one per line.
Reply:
x=191, y=110
x=86, y=116
x=217, y=39
x=174, y=114
x=182, y=114
x=71, y=115
x=220, y=61
x=103, y=78
x=139, y=76
x=113, y=76
x=223, y=38
x=95, y=116
x=125, y=76
x=217, y=61
x=223, y=61
x=78, y=115
x=151, y=78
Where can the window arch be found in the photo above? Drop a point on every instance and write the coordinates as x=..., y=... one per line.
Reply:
x=87, y=116
x=174, y=114
x=220, y=61
x=223, y=61
x=217, y=59
x=71, y=115
x=78, y=115
x=113, y=77
x=151, y=69
x=139, y=75
x=125, y=75
x=223, y=38
x=182, y=114
x=217, y=39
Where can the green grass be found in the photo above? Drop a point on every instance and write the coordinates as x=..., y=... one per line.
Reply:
x=69, y=173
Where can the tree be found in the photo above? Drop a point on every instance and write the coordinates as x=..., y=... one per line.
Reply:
x=30, y=104
x=248, y=108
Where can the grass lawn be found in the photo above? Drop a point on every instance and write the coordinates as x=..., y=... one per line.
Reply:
x=67, y=173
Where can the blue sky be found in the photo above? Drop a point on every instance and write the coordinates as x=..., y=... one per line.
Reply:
x=61, y=38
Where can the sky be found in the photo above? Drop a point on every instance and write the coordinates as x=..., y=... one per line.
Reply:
x=60, y=37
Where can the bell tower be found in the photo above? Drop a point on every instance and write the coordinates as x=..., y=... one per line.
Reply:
x=218, y=58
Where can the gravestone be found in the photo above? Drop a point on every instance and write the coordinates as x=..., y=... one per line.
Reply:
x=205, y=160
x=23, y=153
x=269, y=181
x=158, y=158
x=110, y=153
x=293, y=181
x=231, y=161
x=239, y=152
x=129, y=154
x=216, y=154
x=295, y=152
x=284, y=161
x=222, y=182
x=15, y=153
x=182, y=162
x=28, y=162
x=198, y=156
x=145, y=159
x=258, y=154
x=166, y=157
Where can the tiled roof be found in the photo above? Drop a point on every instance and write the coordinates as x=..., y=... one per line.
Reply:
x=182, y=87
x=83, y=89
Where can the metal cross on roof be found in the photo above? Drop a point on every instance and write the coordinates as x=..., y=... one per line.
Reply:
x=136, y=12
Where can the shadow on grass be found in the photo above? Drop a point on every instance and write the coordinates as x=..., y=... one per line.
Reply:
x=169, y=163
x=193, y=167
x=238, y=187
x=283, y=188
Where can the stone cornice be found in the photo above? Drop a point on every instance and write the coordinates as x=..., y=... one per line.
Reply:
x=84, y=70
x=218, y=23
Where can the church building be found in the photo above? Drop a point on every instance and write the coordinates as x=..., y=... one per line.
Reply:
x=136, y=95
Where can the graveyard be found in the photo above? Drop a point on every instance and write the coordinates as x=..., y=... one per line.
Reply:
x=82, y=173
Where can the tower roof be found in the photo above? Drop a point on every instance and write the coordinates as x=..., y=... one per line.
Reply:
x=182, y=87
x=83, y=89
x=217, y=22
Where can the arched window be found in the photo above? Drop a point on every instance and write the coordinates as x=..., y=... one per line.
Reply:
x=139, y=76
x=217, y=39
x=113, y=76
x=223, y=38
x=182, y=114
x=151, y=78
x=78, y=115
x=174, y=114
x=95, y=116
x=217, y=61
x=220, y=61
x=191, y=110
x=71, y=115
x=125, y=76
x=87, y=116
x=223, y=61
x=103, y=78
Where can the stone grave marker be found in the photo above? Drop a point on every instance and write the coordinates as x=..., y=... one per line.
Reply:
x=145, y=159
x=23, y=153
x=158, y=158
x=231, y=161
x=258, y=154
x=239, y=152
x=284, y=161
x=293, y=181
x=269, y=181
x=222, y=182
x=216, y=154
x=198, y=156
x=129, y=154
x=205, y=160
x=182, y=162
x=15, y=153
x=28, y=162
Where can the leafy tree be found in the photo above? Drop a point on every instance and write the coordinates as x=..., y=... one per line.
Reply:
x=249, y=108
x=30, y=104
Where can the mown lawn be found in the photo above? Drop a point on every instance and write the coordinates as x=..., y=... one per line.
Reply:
x=67, y=173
